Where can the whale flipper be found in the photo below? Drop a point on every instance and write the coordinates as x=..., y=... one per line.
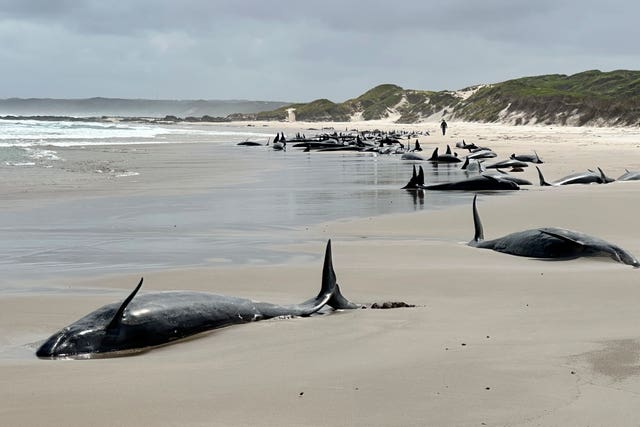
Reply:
x=563, y=237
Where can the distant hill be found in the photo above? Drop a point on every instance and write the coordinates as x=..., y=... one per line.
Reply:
x=587, y=98
x=93, y=107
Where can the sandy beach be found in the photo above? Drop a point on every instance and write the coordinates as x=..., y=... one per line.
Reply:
x=493, y=340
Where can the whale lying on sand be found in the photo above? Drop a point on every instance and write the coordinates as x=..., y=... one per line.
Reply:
x=143, y=322
x=531, y=158
x=510, y=163
x=588, y=177
x=443, y=158
x=629, y=176
x=549, y=242
x=476, y=183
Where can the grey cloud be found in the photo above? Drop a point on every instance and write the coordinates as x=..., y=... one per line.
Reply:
x=295, y=50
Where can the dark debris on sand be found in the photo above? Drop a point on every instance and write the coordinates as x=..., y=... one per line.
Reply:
x=390, y=304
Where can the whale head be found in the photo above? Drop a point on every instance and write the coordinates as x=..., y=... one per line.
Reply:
x=74, y=341
x=96, y=333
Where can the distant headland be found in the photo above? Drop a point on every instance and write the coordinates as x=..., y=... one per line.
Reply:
x=589, y=98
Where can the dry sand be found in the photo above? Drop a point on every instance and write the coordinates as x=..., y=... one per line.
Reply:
x=494, y=339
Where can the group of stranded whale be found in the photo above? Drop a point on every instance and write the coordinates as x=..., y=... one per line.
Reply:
x=149, y=320
x=141, y=323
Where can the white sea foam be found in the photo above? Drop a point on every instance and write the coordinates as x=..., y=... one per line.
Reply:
x=20, y=163
x=30, y=133
x=40, y=154
x=36, y=130
x=127, y=173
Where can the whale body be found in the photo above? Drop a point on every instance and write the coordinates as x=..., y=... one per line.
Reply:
x=549, y=242
x=153, y=319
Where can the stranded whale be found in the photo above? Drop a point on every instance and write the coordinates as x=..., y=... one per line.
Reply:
x=154, y=319
x=588, y=177
x=629, y=176
x=549, y=242
x=475, y=183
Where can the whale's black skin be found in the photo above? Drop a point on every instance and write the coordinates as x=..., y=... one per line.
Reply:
x=504, y=175
x=476, y=183
x=250, y=143
x=443, y=158
x=508, y=164
x=588, y=177
x=549, y=242
x=530, y=158
x=466, y=146
x=412, y=156
x=150, y=320
x=629, y=176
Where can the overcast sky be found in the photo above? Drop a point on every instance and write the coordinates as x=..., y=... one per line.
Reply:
x=299, y=50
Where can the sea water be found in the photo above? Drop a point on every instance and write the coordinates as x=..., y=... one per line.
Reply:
x=237, y=224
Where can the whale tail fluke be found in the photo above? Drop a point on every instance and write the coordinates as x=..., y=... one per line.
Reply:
x=339, y=302
x=477, y=224
x=329, y=292
x=543, y=183
x=538, y=159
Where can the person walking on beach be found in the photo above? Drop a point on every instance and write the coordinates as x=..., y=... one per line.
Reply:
x=443, y=126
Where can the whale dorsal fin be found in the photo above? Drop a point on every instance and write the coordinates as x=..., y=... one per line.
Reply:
x=479, y=232
x=434, y=156
x=542, y=181
x=448, y=149
x=118, y=316
x=465, y=165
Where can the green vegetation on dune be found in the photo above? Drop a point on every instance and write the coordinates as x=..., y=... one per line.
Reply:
x=376, y=103
x=590, y=97
x=583, y=98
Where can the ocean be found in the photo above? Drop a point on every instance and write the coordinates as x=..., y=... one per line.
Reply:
x=235, y=224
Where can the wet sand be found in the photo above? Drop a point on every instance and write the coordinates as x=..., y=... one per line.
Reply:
x=494, y=339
